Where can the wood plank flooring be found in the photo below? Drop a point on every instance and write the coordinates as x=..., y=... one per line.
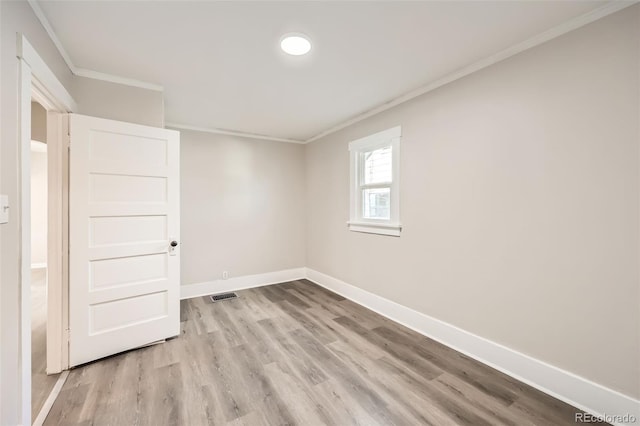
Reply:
x=41, y=384
x=297, y=354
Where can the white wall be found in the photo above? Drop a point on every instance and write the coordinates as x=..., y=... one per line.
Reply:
x=16, y=17
x=38, y=122
x=2, y=318
x=39, y=189
x=519, y=200
x=119, y=102
x=105, y=100
x=242, y=206
x=39, y=214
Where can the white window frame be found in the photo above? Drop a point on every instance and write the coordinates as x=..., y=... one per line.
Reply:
x=390, y=137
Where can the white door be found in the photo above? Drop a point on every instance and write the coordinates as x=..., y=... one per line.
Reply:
x=124, y=216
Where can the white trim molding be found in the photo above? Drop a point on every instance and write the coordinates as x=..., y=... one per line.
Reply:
x=26, y=74
x=358, y=149
x=217, y=131
x=52, y=34
x=82, y=72
x=577, y=391
x=111, y=78
x=561, y=384
x=51, y=93
x=375, y=228
x=57, y=241
x=570, y=25
x=35, y=81
x=189, y=291
x=51, y=399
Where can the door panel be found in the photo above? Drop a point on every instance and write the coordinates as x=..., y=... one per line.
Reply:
x=124, y=212
x=110, y=230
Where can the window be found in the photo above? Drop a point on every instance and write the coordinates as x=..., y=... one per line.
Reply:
x=375, y=195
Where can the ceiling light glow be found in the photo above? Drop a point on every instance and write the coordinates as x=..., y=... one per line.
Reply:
x=295, y=44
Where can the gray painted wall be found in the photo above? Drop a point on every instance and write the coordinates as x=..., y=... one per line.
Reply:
x=242, y=206
x=118, y=102
x=15, y=17
x=519, y=201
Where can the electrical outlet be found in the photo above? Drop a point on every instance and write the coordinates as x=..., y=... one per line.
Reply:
x=225, y=275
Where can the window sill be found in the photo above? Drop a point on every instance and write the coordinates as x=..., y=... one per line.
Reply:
x=375, y=228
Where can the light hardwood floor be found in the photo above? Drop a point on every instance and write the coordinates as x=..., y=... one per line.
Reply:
x=41, y=384
x=295, y=353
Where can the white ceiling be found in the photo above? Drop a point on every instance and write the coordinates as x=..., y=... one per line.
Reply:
x=221, y=67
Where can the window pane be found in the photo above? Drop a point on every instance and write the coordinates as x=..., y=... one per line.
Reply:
x=377, y=165
x=376, y=203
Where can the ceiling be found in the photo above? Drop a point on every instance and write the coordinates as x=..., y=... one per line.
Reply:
x=221, y=66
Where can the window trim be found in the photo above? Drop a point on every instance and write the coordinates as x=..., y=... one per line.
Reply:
x=390, y=137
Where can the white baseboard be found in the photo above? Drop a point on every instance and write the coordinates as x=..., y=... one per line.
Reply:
x=189, y=291
x=53, y=395
x=39, y=265
x=563, y=385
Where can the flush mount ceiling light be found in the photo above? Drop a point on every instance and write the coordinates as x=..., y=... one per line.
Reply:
x=295, y=44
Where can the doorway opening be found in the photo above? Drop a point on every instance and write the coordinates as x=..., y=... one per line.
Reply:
x=41, y=383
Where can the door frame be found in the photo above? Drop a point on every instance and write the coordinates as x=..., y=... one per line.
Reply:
x=36, y=81
x=57, y=241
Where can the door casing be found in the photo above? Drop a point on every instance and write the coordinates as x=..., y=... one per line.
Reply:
x=36, y=81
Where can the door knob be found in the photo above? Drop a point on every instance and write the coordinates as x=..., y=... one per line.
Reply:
x=172, y=247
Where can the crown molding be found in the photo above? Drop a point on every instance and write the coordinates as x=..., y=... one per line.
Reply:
x=97, y=75
x=557, y=31
x=82, y=72
x=52, y=35
x=231, y=133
